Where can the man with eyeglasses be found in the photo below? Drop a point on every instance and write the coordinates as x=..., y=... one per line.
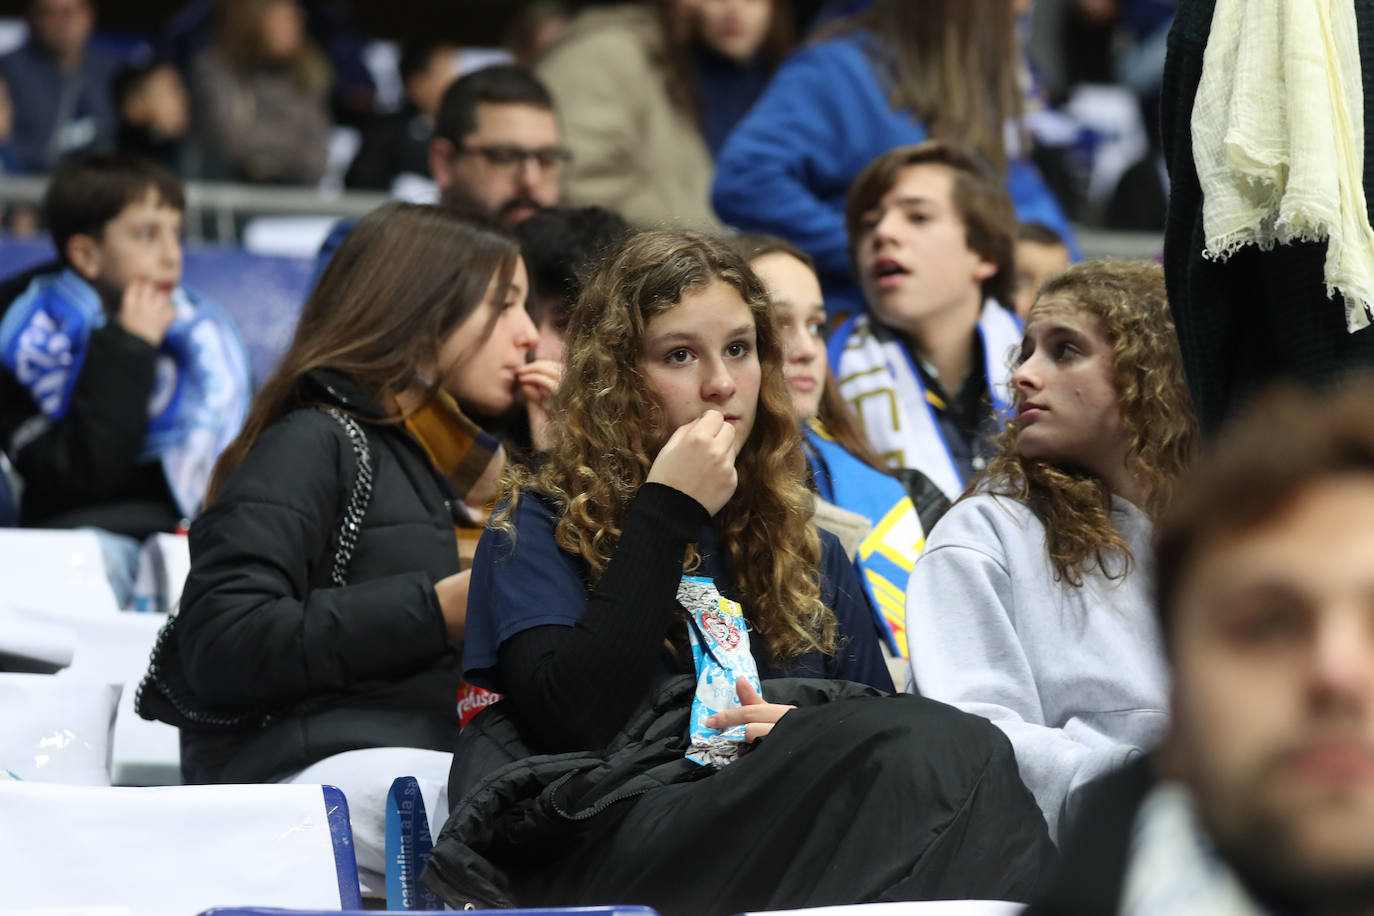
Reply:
x=497, y=144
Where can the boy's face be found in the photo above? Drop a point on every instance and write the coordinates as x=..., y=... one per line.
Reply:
x=142, y=243
x=912, y=253
x=1035, y=263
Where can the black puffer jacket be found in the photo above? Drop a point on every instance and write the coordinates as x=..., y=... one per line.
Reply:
x=854, y=796
x=366, y=665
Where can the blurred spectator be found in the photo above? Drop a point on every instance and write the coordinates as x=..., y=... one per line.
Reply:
x=634, y=98
x=154, y=114
x=497, y=149
x=536, y=29
x=353, y=99
x=260, y=94
x=59, y=85
x=723, y=53
x=1040, y=253
x=398, y=143
x=896, y=74
x=497, y=144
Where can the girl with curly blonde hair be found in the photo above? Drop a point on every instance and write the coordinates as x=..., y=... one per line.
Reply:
x=1031, y=603
x=676, y=471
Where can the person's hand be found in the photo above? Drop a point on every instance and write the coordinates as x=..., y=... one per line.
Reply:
x=539, y=380
x=453, y=601
x=145, y=312
x=699, y=460
x=756, y=715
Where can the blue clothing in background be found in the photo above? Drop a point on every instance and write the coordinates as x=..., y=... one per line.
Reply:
x=787, y=167
x=42, y=94
x=529, y=581
x=728, y=90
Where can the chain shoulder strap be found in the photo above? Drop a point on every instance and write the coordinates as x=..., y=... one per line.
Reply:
x=358, y=497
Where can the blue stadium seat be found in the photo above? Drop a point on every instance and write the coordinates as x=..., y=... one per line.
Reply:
x=546, y=911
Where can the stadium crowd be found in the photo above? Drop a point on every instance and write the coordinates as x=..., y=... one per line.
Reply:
x=719, y=475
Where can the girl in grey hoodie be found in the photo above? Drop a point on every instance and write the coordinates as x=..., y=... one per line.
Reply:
x=1031, y=602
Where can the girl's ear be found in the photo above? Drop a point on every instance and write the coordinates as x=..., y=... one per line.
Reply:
x=84, y=254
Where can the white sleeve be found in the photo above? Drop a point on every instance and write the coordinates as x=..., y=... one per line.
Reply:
x=965, y=651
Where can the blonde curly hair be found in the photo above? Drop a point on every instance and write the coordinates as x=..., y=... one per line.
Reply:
x=1129, y=301
x=606, y=434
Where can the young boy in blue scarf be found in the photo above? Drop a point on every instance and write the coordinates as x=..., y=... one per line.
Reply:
x=118, y=388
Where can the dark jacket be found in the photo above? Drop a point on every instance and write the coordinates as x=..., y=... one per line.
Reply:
x=36, y=88
x=393, y=145
x=1091, y=873
x=894, y=798
x=366, y=665
x=83, y=470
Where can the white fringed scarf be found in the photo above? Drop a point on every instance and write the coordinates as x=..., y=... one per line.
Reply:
x=1278, y=138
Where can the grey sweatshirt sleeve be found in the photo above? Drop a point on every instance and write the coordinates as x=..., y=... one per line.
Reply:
x=965, y=651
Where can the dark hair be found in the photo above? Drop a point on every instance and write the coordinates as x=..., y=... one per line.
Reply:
x=980, y=195
x=401, y=281
x=85, y=194
x=1039, y=234
x=503, y=84
x=1249, y=476
x=834, y=414
x=416, y=56
x=562, y=245
x=950, y=62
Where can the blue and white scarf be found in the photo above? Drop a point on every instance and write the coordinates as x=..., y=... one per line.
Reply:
x=203, y=386
x=879, y=379
x=889, y=550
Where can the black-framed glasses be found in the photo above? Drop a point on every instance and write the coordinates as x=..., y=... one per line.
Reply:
x=506, y=156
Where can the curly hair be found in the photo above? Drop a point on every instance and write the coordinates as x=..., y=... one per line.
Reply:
x=606, y=434
x=1129, y=302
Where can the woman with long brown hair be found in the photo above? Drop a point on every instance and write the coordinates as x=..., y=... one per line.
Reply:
x=1031, y=604
x=325, y=606
x=898, y=73
x=260, y=93
x=691, y=676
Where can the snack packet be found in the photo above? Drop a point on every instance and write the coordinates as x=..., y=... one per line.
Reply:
x=720, y=649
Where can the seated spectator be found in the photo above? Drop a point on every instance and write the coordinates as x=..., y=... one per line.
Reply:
x=119, y=387
x=636, y=88
x=60, y=86
x=931, y=236
x=261, y=94
x=154, y=115
x=675, y=481
x=1261, y=800
x=497, y=149
x=398, y=143
x=325, y=606
x=895, y=74
x=562, y=246
x=1040, y=254
x=881, y=522
x=1031, y=604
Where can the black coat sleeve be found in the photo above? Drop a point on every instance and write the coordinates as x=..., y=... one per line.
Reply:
x=254, y=629
x=90, y=454
x=576, y=686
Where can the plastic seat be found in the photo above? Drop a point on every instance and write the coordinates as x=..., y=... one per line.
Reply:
x=176, y=850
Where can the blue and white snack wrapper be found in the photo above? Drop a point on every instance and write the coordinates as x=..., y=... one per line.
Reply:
x=720, y=649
